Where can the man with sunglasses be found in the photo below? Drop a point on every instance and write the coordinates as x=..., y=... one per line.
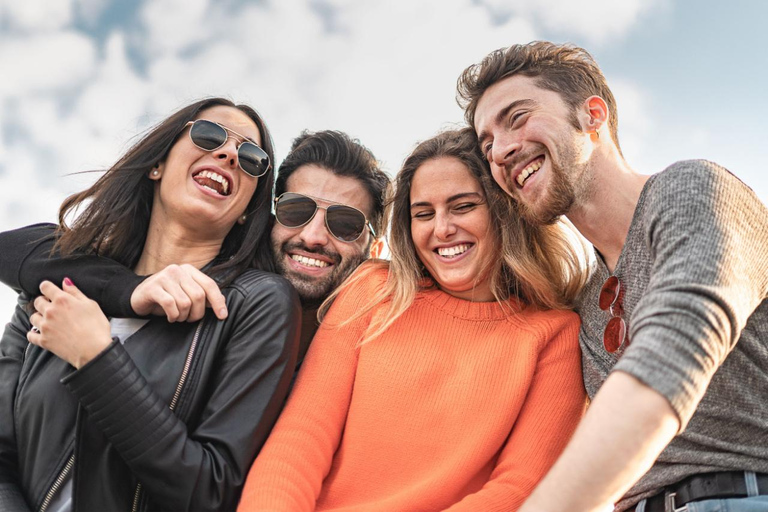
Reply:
x=675, y=314
x=330, y=215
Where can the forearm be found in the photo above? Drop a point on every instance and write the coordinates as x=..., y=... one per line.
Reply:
x=26, y=260
x=625, y=429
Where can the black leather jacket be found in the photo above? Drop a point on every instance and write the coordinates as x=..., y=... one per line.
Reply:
x=169, y=421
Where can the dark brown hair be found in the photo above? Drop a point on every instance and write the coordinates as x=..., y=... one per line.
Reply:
x=116, y=209
x=563, y=68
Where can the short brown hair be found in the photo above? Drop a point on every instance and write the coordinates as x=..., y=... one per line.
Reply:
x=563, y=68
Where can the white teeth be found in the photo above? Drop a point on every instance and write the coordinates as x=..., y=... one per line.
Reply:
x=453, y=251
x=311, y=262
x=535, y=166
x=216, y=177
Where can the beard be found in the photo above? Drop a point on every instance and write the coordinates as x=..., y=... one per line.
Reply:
x=314, y=290
x=559, y=196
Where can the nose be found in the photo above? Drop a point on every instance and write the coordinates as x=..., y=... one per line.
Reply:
x=504, y=148
x=228, y=152
x=314, y=233
x=444, y=226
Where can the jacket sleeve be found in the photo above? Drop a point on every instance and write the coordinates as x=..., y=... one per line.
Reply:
x=26, y=260
x=288, y=473
x=12, y=347
x=204, y=468
x=553, y=407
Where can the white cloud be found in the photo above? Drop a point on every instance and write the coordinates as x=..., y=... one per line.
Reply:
x=36, y=15
x=598, y=21
x=45, y=62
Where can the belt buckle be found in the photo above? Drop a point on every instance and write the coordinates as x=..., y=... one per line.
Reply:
x=669, y=503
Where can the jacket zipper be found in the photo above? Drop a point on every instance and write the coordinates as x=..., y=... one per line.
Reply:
x=174, y=400
x=57, y=483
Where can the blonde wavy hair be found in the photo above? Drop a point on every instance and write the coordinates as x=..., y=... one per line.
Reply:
x=542, y=265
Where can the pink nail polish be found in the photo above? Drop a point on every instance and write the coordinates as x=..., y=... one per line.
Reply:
x=68, y=281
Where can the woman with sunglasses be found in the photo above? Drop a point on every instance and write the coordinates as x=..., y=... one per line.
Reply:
x=448, y=379
x=127, y=414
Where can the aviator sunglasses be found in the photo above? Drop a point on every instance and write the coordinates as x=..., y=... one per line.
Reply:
x=612, y=300
x=210, y=136
x=345, y=223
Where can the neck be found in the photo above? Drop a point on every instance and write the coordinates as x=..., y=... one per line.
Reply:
x=170, y=243
x=603, y=213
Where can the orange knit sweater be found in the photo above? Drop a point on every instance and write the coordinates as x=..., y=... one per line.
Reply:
x=457, y=406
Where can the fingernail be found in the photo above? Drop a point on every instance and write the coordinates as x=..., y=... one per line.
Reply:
x=68, y=281
x=223, y=313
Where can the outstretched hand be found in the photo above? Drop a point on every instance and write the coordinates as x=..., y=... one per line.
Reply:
x=181, y=293
x=68, y=323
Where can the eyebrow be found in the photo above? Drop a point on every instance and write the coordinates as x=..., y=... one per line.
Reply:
x=503, y=114
x=449, y=200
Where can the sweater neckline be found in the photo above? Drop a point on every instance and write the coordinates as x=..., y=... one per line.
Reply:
x=469, y=310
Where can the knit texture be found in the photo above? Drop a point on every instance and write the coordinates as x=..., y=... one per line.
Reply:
x=458, y=405
x=694, y=269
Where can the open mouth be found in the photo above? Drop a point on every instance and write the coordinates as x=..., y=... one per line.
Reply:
x=309, y=262
x=529, y=171
x=213, y=181
x=454, y=251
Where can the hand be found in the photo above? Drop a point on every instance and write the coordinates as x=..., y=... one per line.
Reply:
x=181, y=293
x=69, y=324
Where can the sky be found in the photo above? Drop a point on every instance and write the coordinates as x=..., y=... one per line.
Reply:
x=82, y=78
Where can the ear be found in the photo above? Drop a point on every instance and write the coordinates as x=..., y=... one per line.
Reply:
x=156, y=172
x=376, y=247
x=594, y=114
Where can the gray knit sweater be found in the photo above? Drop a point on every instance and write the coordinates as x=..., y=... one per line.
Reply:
x=695, y=273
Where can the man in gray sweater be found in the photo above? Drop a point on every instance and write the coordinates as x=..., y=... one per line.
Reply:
x=675, y=314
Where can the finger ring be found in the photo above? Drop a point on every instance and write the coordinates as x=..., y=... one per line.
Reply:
x=35, y=329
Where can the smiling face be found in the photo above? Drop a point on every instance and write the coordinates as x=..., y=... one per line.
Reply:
x=535, y=146
x=450, y=228
x=309, y=256
x=205, y=191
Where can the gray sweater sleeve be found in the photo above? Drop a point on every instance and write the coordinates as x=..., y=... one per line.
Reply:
x=708, y=238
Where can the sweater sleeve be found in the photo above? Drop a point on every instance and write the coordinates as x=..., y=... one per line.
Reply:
x=26, y=260
x=708, y=238
x=12, y=347
x=208, y=462
x=289, y=472
x=554, y=405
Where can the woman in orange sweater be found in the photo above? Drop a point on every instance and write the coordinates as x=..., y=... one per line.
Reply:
x=448, y=379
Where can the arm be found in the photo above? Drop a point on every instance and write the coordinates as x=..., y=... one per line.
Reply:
x=207, y=461
x=288, y=473
x=179, y=292
x=708, y=237
x=26, y=261
x=553, y=406
x=12, y=347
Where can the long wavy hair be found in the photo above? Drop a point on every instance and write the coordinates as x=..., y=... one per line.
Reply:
x=112, y=216
x=542, y=266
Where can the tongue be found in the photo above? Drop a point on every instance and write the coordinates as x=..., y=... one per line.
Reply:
x=208, y=182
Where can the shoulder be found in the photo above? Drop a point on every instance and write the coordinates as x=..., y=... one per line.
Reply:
x=549, y=323
x=258, y=284
x=691, y=180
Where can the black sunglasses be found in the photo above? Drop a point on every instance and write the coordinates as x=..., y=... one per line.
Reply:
x=210, y=136
x=345, y=223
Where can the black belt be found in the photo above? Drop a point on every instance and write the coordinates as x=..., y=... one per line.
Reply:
x=728, y=484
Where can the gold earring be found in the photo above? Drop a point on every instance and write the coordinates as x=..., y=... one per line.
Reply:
x=243, y=218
